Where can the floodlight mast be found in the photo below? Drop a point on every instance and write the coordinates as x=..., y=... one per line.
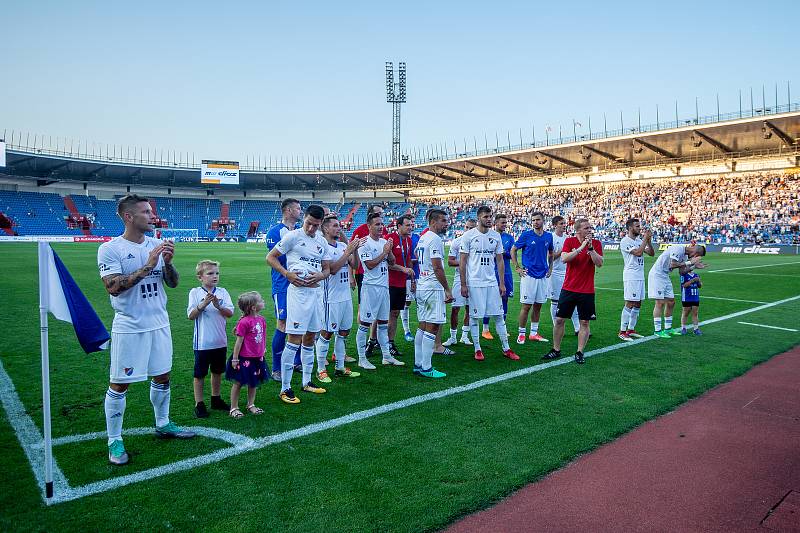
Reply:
x=396, y=95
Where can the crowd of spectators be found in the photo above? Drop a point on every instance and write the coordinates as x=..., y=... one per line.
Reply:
x=755, y=208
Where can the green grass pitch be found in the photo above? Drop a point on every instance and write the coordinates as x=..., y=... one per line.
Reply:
x=415, y=468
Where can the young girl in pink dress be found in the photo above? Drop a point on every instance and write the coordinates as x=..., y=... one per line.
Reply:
x=246, y=366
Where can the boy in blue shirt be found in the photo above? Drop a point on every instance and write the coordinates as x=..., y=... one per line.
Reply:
x=690, y=298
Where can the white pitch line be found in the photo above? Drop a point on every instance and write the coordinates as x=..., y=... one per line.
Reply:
x=69, y=493
x=28, y=434
x=754, y=266
x=766, y=326
x=704, y=296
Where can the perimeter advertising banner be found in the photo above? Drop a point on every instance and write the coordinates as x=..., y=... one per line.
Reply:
x=219, y=172
x=2, y=154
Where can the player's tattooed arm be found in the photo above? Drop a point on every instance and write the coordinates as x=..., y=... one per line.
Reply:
x=116, y=284
x=170, y=274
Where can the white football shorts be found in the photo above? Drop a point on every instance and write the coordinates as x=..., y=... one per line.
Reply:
x=304, y=310
x=659, y=287
x=634, y=290
x=338, y=316
x=556, y=282
x=533, y=290
x=135, y=356
x=374, y=303
x=485, y=301
x=431, y=307
x=458, y=300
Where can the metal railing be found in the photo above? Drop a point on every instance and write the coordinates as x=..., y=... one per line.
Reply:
x=36, y=144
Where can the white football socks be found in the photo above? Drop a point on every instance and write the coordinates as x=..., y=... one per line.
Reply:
x=159, y=397
x=502, y=332
x=287, y=365
x=115, y=412
x=339, y=351
x=307, y=358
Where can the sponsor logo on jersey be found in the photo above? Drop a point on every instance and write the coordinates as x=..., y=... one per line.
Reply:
x=130, y=256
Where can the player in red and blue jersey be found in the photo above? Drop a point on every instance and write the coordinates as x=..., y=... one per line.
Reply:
x=290, y=214
x=690, y=299
x=500, y=225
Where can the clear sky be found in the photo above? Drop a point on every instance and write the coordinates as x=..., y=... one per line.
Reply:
x=227, y=80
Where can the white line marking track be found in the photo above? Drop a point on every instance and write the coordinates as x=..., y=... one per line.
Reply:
x=31, y=439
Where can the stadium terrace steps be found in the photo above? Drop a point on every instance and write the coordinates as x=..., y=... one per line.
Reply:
x=76, y=215
x=351, y=212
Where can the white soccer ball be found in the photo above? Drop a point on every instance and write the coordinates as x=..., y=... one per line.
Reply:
x=302, y=273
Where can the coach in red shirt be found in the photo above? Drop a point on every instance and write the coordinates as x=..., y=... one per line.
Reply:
x=399, y=274
x=359, y=233
x=582, y=254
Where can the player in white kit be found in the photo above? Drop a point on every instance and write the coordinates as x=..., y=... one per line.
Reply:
x=659, y=285
x=633, y=247
x=453, y=260
x=559, y=270
x=337, y=300
x=376, y=256
x=307, y=266
x=134, y=269
x=433, y=293
x=481, y=249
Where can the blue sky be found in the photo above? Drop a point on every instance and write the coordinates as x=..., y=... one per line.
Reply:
x=237, y=79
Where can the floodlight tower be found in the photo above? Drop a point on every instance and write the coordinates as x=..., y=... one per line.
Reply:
x=396, y=95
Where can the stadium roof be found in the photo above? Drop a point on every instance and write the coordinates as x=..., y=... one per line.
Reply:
x=729, y=137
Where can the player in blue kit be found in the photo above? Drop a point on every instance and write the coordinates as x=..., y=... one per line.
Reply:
x=500, y=225
x=290, y=213
x=537, y=266
x=690, y=299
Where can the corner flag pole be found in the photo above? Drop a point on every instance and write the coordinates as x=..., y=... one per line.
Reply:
x=44, y=304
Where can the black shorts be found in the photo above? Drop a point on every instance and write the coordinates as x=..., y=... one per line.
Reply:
x=203, y=359
x=359, y=280
x=569, y=300
x=397, y=298
x=691, y=304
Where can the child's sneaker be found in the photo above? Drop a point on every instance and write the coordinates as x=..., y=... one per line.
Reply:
x=698, y=332
x=324, y=377
x=219, y=404
x=200, y=410
x=683, y=331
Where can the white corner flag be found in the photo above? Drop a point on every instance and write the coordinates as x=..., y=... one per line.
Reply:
x=60, y=295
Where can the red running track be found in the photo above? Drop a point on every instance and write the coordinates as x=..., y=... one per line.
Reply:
x=726, y=461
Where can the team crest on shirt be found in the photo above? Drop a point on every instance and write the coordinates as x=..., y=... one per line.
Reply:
x=128, y=371
x=302, y=243
x=319, y=249
x=491, y=240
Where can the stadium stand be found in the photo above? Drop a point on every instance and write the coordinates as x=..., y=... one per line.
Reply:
x=755, y=208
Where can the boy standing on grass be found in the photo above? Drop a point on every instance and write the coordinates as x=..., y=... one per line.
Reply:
x=209, y=306
x=690, y=299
